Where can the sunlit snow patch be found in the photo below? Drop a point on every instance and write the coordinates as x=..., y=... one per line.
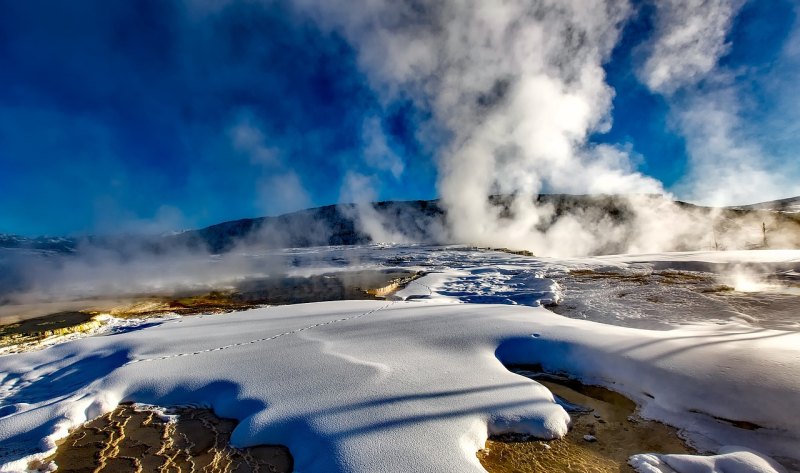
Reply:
x=486, y=285
x=729, y=460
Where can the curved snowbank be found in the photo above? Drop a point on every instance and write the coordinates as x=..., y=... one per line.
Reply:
x=711, y=381
x=729, y=460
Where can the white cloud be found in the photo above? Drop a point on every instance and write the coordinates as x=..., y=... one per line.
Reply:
x=726, y=166
x=359, y=189
x=518, y=85
x=377, y=153
x=690, y=37
x=278, y=188
x=731, y=160
x=247, y=138
x=282, y=193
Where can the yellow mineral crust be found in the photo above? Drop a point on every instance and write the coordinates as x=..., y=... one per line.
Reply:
x=131, y=439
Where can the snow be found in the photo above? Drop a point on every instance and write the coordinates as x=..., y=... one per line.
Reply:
x=504, y=284
x=730, y=460
x=347, y=386
x=418, y=384
x=738, y=256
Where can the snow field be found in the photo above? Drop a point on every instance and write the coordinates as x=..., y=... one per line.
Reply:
x=417, y=385
x=403, y=386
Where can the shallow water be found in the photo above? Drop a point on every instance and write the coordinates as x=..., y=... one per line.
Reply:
x=28, y=327
x=612, y=422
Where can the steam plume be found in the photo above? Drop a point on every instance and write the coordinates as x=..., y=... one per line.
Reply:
x=729, y=163
x=518, y=86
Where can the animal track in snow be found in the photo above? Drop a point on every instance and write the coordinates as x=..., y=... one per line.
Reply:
x=261, y=340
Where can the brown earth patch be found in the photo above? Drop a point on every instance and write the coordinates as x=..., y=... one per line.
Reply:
x=143, y=440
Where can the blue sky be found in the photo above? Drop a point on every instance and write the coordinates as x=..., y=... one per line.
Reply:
x=150, y=116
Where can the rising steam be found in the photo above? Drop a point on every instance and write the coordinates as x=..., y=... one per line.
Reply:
x=514, y=89
x=518, y=86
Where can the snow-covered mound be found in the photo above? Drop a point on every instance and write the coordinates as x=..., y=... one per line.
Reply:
x=729, y=460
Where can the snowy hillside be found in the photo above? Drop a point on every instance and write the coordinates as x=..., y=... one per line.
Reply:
x=790, y=205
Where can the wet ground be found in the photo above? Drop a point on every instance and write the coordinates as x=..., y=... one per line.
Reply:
x=662, y=299
x=28, y=329
x=605, y=432
x=136, y=439
x=60, y=323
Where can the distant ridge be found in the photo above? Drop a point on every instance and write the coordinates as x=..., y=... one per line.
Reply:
x=790, y=205
x=343, y=224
